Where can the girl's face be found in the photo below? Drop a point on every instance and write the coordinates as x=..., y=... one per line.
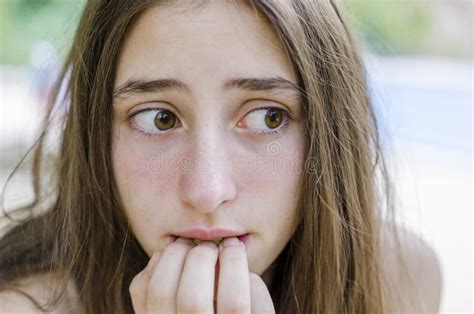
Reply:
x=207, y=130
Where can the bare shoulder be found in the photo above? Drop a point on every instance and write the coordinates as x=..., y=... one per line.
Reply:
x=414, y=274
x=40, y=287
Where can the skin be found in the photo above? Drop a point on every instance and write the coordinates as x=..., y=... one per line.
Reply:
x=179, y=271
x=203, y=48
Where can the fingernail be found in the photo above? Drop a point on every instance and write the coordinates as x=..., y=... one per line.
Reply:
x=209, y=244
x=185, y=241
x=232, y=241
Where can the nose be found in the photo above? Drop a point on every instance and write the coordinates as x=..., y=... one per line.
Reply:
x=207, y=182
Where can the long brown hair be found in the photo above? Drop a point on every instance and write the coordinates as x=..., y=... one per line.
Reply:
x=332, y=264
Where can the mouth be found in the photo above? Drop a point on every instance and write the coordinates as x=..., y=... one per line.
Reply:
x=244, y=238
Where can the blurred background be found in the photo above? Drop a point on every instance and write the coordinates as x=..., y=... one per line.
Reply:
x=419, y=56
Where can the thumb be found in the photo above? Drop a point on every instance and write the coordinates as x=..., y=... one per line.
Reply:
x=261, y=301
x=139, y=286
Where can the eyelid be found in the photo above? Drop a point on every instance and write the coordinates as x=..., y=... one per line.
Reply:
x=271, y=104
x=154, y=106
x=285, y=111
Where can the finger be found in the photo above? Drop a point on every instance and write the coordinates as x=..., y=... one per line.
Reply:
x=163, y=287
x=233, y=295
x=260, y=296
x=139, y=285
x=196, y=287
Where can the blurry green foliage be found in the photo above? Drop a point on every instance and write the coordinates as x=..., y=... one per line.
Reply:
x=26, y=22
x=390, y=26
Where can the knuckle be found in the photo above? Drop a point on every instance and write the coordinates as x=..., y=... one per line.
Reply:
x=159, y=294
x=191, y=301
x=157, y=302
x=236, y=305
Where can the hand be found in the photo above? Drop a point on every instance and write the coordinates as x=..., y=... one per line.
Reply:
x=185, y=278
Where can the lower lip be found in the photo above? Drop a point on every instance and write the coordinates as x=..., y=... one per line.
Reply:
x=243, y=238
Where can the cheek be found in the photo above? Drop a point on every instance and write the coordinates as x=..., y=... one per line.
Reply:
x=156, y=172
x=142, y=171
x=269, y=169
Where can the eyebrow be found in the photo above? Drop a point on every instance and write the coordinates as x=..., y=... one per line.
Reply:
x=275, y=85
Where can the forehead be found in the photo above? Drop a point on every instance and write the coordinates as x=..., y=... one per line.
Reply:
x=206, y=43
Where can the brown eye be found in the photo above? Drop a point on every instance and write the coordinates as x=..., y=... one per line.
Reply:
x=266, y=120
x=273, y=118
x=165, y=120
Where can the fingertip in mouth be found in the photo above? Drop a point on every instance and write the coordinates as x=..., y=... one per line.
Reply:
x=245, y=238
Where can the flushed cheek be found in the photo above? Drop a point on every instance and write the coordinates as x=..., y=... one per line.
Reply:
x=266, y=169
x=144, y=171
x=155, y=173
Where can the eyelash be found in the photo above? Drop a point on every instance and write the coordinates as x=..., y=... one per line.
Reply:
x=279, y=130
